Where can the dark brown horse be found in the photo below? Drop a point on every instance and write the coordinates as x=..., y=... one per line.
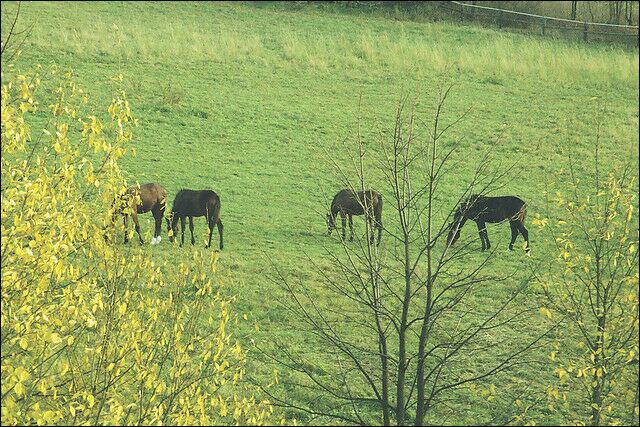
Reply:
x=190, y=203
x=348, y=203
x=138, y=200
x=483, y=209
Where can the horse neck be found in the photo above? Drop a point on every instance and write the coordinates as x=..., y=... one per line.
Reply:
x=459, y=218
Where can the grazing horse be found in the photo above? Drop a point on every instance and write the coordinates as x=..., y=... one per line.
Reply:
x=190, y=203
x=138, y=200
x=349, y=203
x=483, y=209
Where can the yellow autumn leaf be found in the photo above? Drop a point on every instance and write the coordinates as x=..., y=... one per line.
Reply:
x=22, y=374
x=545, y=312
x=55, y=338
x=19, y=389
x=90, y=400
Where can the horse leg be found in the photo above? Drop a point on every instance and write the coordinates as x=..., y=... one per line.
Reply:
x=126, y=222
x=220, y=231
x=351, y=228
x=193, y=240
x=525, y=234
x=482, y=230
x=486, y=237
x=134, y=216
x=211, y=224
x=183, y=225
x=514, y=234
x=158, y=214
x=371, y=229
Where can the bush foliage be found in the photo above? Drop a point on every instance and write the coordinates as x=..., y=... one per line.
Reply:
x=92, y=332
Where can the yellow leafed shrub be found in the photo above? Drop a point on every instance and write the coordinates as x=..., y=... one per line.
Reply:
x=94, y=333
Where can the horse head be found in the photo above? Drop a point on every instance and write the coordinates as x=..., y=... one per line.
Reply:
x=458, y=221
x=172, y=221
x=331, y=222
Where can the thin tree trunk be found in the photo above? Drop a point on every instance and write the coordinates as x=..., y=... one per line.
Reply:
x=402, y=339
x=421, y=408
x=600, y=357
x=384, y=359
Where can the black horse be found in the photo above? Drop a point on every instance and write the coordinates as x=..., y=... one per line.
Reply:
x=349, y=203
x=483, y=209
x=190, y=203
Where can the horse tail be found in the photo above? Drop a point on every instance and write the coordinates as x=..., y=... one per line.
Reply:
x=216, y=207
x=212, y=208
x=522, y=214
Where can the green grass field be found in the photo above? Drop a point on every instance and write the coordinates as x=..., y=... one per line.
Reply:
x=252, y=100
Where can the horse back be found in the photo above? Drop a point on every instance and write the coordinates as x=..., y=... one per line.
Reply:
x=197, y=203
x=353, y=203
x=498, y=209
x=151, y=195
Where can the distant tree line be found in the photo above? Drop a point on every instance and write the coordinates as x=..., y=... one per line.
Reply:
x=611, y=12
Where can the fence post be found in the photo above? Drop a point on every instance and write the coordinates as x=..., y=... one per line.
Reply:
x=585, y=31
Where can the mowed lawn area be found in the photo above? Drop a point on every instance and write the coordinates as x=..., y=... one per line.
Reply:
x=258, y=101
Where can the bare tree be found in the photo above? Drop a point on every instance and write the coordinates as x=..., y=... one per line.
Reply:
x=15, y=37
x=615, y=10
x=400, y=324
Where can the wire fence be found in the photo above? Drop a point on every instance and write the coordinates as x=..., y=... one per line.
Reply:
x=545, y=25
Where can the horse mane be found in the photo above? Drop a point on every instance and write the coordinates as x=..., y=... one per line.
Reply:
x=178, y=195
x=474, y=198
x=334, y=200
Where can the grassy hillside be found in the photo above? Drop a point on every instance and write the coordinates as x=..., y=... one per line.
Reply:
x=254, y=101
